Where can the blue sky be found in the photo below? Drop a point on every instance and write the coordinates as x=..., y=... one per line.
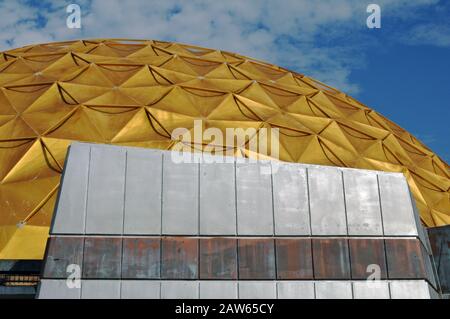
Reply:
x=401, y=70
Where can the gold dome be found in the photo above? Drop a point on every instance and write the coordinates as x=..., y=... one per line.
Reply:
x=136, y=92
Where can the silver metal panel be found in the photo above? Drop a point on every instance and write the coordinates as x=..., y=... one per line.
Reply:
x=371, y=289
x=326, y=201
x=57, y=289
x=71, y=206
x=180, y=198
x=333, y=290
x=290, y=196
x=362, y=203
x=143, y=192
x=396, y=207
x=295, y=290
x=140, y=289
x=106, y=191
x=254, y=199
x=179, y=290
x=100, y=289
x=423, y=234
x=217, y=199
x=257, y=290
x=218, y=290
x=409, y=289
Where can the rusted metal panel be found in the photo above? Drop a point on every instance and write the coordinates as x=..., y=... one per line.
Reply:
x=102, y=257
x=294, y=259
x=331, y=258
x=256, y=259
x=179, y=259
x=218, y=258
x=62, y=252
x=366, y=256
x=440, y=245
x=405, y=259
x=141, y=258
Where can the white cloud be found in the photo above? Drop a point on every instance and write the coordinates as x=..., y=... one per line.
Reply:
x=293, y=33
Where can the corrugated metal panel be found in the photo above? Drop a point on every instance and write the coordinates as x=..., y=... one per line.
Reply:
x=362, y=203
x=106, y=191
x=218, y=290
x=141, y=258
x=71, y=209
x=179, y=258
x=180, y=198
x=218, y=258
x=397, y=212
x=62, y=252
x=102, y=257
x=331, y=258
x=405, y=259
x=256, y=259
x=290, y=195
x=295, y=290
x=254, y=199
x=364, y=253
x=143, y=192
x=294, y=259
x=327, y=201
x=217, y=199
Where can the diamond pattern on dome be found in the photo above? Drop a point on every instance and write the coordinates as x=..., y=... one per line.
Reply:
x=136, y=92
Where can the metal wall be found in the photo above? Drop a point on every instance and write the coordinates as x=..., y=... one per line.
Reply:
x=239, y=222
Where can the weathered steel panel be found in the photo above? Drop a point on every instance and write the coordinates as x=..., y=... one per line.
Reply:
x=405, y=259
x=218, y=290
x=290, y=195
x=326, y=201
x=331, y=258
x=218, y=258
x=217, y=199
x=396, y=207
x=256, y=259
x=179, y=289
x=362, y=203
x=140, y=289
x=102, y=257
x=367, y=256
x=100, y=289
x=143, y=192
x=62, y=252
x=179, y=258
x=257, y=290
x=370, y=289
x=294, y=258
x=333, y=290
x=57, y=289
x=254, y=199
x=180, y=211
x=295, y=290
x=71, y=205
x=440, y=245
x=106, y=191
x=141, y=258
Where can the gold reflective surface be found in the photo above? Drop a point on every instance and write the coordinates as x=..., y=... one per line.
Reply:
x=136, y=92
